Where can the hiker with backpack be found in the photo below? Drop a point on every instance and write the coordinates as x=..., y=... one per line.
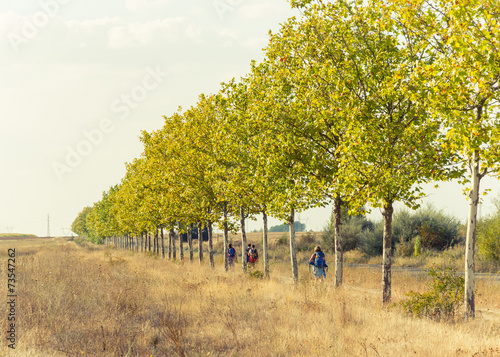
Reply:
x=253, y=255
x=318, y=262
x=249, y=249
x=231, y=255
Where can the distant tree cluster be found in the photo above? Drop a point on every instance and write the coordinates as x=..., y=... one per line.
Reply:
x=299, y=227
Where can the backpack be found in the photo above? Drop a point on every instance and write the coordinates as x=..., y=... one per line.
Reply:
x=319, y=260
x=231, y=252
x=255, y=255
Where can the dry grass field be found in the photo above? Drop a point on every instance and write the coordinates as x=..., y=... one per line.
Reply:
x=85, y=300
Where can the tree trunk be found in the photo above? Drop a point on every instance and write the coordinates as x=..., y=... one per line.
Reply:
x=386, y=260
x=169, y=245
x=470, y=246
x=155, y=242
x=226, y=237
x=181, y=243
x=211, y=243
x=162, y=243
x=158, y=240
x=264, y=244
x=174, y=249
x=190, y=243
x=243, y=239
x=200, y=242
x=339, y=251
x=149, y=241
x=293, y=250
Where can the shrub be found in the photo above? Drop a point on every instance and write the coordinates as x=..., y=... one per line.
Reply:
x=442, y=301
x=306, y=242
x=488, y=239
x=417, y=247
x=256, y=274
x=436, y=230
x=371, y=241
x=434, y=236
x=405, y=248
x=353, y=227
x=283, y=240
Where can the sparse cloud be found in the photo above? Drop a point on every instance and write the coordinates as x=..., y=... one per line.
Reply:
x=142, y=5
x=122, y=34
x=256, y=10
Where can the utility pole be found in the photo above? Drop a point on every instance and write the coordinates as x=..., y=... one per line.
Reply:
x=48, y=225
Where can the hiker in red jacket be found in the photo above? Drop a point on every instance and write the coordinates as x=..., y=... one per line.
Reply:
x=253, y=255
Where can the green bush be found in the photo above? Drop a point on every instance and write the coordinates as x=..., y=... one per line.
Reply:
x=442, y=301
x=353, y=227
x=436, y=230
x=417, y=249
x=371, y=241
x=307, y=242
x=405, y=248
x=488, y=238
x=283, y=240
x=256, y=274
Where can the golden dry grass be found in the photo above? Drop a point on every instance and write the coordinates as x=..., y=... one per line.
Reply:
x=95, y=301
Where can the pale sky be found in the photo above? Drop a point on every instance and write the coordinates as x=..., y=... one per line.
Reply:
x=80, y=79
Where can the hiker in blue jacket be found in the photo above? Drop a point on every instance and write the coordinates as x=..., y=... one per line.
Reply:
x=231, y=256
x=319, y=263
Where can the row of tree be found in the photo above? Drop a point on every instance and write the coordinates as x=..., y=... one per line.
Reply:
x=355, y=102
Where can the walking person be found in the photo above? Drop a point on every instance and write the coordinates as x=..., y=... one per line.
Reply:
x=318, y=262
x=231, y=256
x=249, y=249
x=253, y=255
